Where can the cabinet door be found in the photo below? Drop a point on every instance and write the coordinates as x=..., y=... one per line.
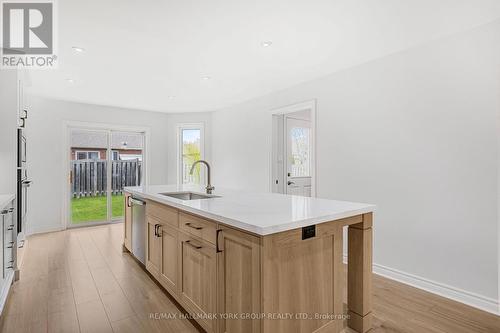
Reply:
x=198, y=282
x=169, y=242
x=127, y=238
x=239, y=290
x=153, y=247
x=9, y=244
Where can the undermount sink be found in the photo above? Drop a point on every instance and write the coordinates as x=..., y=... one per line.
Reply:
x=189, y=195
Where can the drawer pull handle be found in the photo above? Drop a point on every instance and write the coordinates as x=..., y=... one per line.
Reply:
x=6, y=211
x=217, y=250
x=193, y=226
x=11, y=228
x=157, y=230
x=188, y=242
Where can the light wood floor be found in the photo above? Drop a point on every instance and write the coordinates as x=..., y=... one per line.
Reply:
x=80, y=281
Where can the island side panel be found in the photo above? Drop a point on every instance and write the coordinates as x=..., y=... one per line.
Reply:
x=359, y=283
x=303, y=277
x=338, y=281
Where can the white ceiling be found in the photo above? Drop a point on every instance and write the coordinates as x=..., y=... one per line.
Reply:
x=138, y=53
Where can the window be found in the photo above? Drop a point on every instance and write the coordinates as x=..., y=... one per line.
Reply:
x=128, y=157
x=116, y=155
x=190, y=150
x=301, y=157
x=87, y=155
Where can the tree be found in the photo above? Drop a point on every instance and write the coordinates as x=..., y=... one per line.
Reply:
x=190, y=154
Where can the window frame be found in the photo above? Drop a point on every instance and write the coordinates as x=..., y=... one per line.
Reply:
x=87, y=154
x=189, y=126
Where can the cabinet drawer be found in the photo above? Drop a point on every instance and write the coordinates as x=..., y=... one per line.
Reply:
x=8, y=226
x=198, y=227
x=8, y=235
x=163, y=213
x=8, y=232
x=8, y=258
x=8, y=222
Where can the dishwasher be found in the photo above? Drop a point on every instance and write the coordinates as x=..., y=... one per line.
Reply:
x=138, y=229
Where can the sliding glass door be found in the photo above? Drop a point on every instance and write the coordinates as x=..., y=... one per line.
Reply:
x=126, y=167
x=102, y=163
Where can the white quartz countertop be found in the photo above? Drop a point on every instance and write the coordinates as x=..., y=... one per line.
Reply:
x=259, y=213
x=5, y=199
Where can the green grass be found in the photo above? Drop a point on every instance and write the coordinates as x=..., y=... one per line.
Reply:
x=90, y=209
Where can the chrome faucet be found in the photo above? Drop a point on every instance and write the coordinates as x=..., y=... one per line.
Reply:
x=209, y=187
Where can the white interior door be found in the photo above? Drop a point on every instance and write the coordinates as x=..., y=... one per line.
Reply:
x=298, y=156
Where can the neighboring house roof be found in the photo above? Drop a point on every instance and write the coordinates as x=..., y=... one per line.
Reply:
x=89, y=139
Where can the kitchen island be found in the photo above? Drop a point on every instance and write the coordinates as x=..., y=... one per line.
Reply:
x=257, y=262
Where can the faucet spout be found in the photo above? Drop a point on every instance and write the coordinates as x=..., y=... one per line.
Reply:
x=209, y=187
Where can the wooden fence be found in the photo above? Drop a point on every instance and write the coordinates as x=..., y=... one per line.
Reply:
x=89, y=177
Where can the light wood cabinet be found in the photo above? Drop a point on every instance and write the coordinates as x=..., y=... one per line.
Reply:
x=127, y=237
x=165, y=214
x=239, y=290
x=169, y=239
x=153, y=246
x=198, y=279
x=198, y=227
x=229, y=280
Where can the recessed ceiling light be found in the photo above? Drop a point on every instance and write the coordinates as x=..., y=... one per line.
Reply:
x=70, y=80
x=78, y=49
x=205, y=78
x=266, y=43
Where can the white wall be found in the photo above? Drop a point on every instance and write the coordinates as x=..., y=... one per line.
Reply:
x=415, y=133
x=8, y=130
x=45, y=151
x=172, y=149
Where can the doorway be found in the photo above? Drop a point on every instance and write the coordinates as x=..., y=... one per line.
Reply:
x=101, y=162
x=293, y=150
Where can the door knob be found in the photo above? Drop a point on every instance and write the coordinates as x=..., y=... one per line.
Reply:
x=290, y=183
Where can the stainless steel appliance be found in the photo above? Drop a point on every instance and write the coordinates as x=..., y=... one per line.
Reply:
x=21, y=148
x=138, y=228
x=23, y=183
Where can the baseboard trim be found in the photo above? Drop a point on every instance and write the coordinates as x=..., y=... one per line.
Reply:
x=44, y=231
x=469, y=298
